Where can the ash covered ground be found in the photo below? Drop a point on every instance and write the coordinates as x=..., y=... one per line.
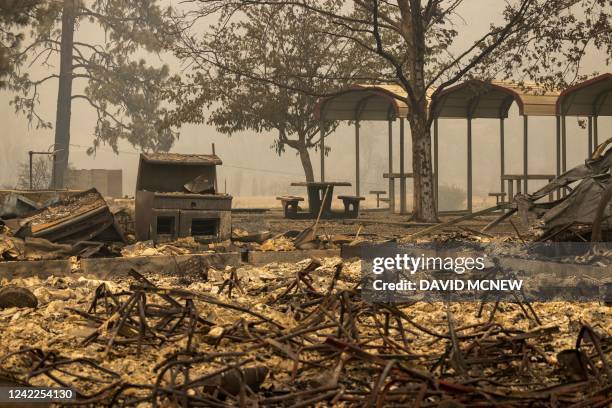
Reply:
x=299, y=335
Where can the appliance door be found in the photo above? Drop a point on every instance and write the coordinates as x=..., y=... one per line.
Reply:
x=204, y=226
x=165, y=225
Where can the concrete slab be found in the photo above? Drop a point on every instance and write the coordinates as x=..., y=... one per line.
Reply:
x=109, y=268
x=561, y=270
x=42, y=269
x=265, y=257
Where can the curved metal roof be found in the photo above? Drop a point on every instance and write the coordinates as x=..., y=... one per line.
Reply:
x=480, y=99
x=591, y=97
x=364, y=102
x=473, y=98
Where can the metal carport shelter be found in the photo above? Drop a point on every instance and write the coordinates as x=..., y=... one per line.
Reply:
x=368, y=102
x=479, y=99
x=591, y=98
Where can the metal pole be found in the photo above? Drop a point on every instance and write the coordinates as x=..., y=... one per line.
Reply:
x=357, y=158
x=564, y=144
x=436, y=167
x=558, y=144
x=525, y=152
x=469, y=165
x=31, y=153
x=595, y=135
x=322, y=148
x=53, y=172
x=391, y=180
x=590, y=130
x=402, y=174
x=564, y=149
x=502, y=154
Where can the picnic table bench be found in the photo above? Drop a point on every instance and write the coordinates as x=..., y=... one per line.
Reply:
x=378, y=194
x=351, y=205
x=290, y=205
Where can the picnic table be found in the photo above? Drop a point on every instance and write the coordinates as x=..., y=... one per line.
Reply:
x=511, y=179
x=316, y=192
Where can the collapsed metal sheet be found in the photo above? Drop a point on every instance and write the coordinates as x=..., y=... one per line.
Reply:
x=599, y=165
x=82, y=217
x=581, y=205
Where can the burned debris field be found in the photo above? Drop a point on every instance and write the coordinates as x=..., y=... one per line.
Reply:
x=277, y=314
x=299, y=335
x=313, y=203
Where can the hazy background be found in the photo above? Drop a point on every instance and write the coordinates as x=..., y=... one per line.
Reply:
x=252, y=168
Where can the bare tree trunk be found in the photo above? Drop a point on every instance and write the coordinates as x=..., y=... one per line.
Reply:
x=423, y=194
x=64, y=94
x=306, y=163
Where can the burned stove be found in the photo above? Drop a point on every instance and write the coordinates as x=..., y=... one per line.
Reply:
x=176, y=196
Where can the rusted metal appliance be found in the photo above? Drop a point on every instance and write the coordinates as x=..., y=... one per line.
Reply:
x=176, y=196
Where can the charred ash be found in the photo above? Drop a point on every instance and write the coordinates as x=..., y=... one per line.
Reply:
x=299, y=335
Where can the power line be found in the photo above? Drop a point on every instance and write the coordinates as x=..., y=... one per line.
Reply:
x=106, y=148
x=284, y=173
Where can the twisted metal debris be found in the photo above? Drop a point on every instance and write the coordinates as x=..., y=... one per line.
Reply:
x=320, y=344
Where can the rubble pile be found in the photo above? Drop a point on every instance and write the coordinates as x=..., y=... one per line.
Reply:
x=584, y=209
x=81, y=217
x=84, y=225
x=298, y=335
x=80, y=224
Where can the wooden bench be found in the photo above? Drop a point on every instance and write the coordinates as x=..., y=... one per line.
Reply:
x=290, y=205
x=351, y=205
x=378, y=193
x=499, y=197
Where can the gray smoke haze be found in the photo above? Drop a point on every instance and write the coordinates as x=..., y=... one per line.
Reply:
x=251, y=167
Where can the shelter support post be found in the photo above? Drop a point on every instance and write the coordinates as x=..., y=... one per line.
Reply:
x=590, y=135
x=469, y=164
x=357, y=158
x=595, y=135
x=436, y=167
x=558, y=148
x=502, y=154
x=391, y=180
x=525, y=153
x=564, y=144
x=322, y=149
x=402, y=171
